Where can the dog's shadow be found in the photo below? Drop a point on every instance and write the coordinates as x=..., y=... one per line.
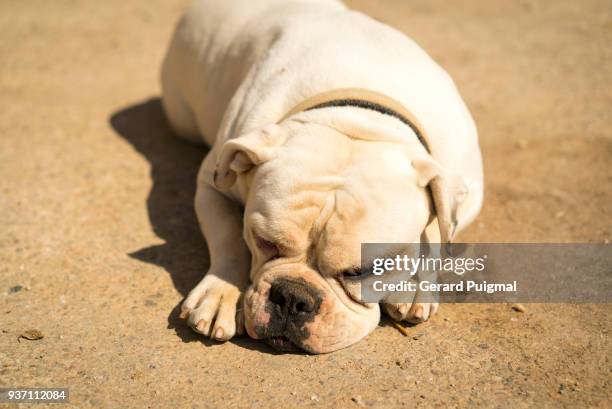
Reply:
x=174, y=166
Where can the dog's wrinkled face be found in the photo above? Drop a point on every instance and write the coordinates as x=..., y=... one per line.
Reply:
x=313, y=195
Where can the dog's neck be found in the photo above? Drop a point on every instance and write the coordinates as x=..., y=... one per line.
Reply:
x=365, y=99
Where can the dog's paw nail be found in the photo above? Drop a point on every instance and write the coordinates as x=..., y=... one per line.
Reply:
x=219, y=333
x=418, y=312
x=403, y=309
x=201, y=325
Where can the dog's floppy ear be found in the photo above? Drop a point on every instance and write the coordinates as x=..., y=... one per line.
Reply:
x=240, y=154
x=447, y=191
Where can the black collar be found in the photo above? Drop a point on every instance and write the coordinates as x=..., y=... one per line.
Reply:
x=365, y=104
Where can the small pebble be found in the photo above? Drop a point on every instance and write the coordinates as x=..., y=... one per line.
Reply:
x=519, y=307
x=15, y=289
x=31, y=335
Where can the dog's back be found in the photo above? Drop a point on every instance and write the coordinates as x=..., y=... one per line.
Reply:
x=214, y=45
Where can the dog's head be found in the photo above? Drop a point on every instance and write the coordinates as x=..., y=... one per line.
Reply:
x=316, y=187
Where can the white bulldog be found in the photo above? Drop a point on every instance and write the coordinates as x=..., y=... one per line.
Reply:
x=328, y=129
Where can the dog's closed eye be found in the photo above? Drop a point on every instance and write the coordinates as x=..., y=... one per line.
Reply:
x=354, y=273
x=270, y=249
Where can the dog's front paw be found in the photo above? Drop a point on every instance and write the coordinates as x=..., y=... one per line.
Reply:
x=214, y=308
x=414, y=313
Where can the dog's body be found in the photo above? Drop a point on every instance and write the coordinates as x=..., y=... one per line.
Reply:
x=285, y=201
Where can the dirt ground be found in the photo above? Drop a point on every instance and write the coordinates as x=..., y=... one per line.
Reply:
x=98, y=229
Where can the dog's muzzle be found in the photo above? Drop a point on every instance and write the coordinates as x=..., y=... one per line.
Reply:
x=291, y=304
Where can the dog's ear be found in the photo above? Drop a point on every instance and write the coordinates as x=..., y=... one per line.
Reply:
x=447, y=192
x=240, y=154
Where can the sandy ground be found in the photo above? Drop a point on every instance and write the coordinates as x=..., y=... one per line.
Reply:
x=98, y=228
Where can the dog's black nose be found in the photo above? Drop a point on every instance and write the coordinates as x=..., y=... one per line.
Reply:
x=296, y=299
